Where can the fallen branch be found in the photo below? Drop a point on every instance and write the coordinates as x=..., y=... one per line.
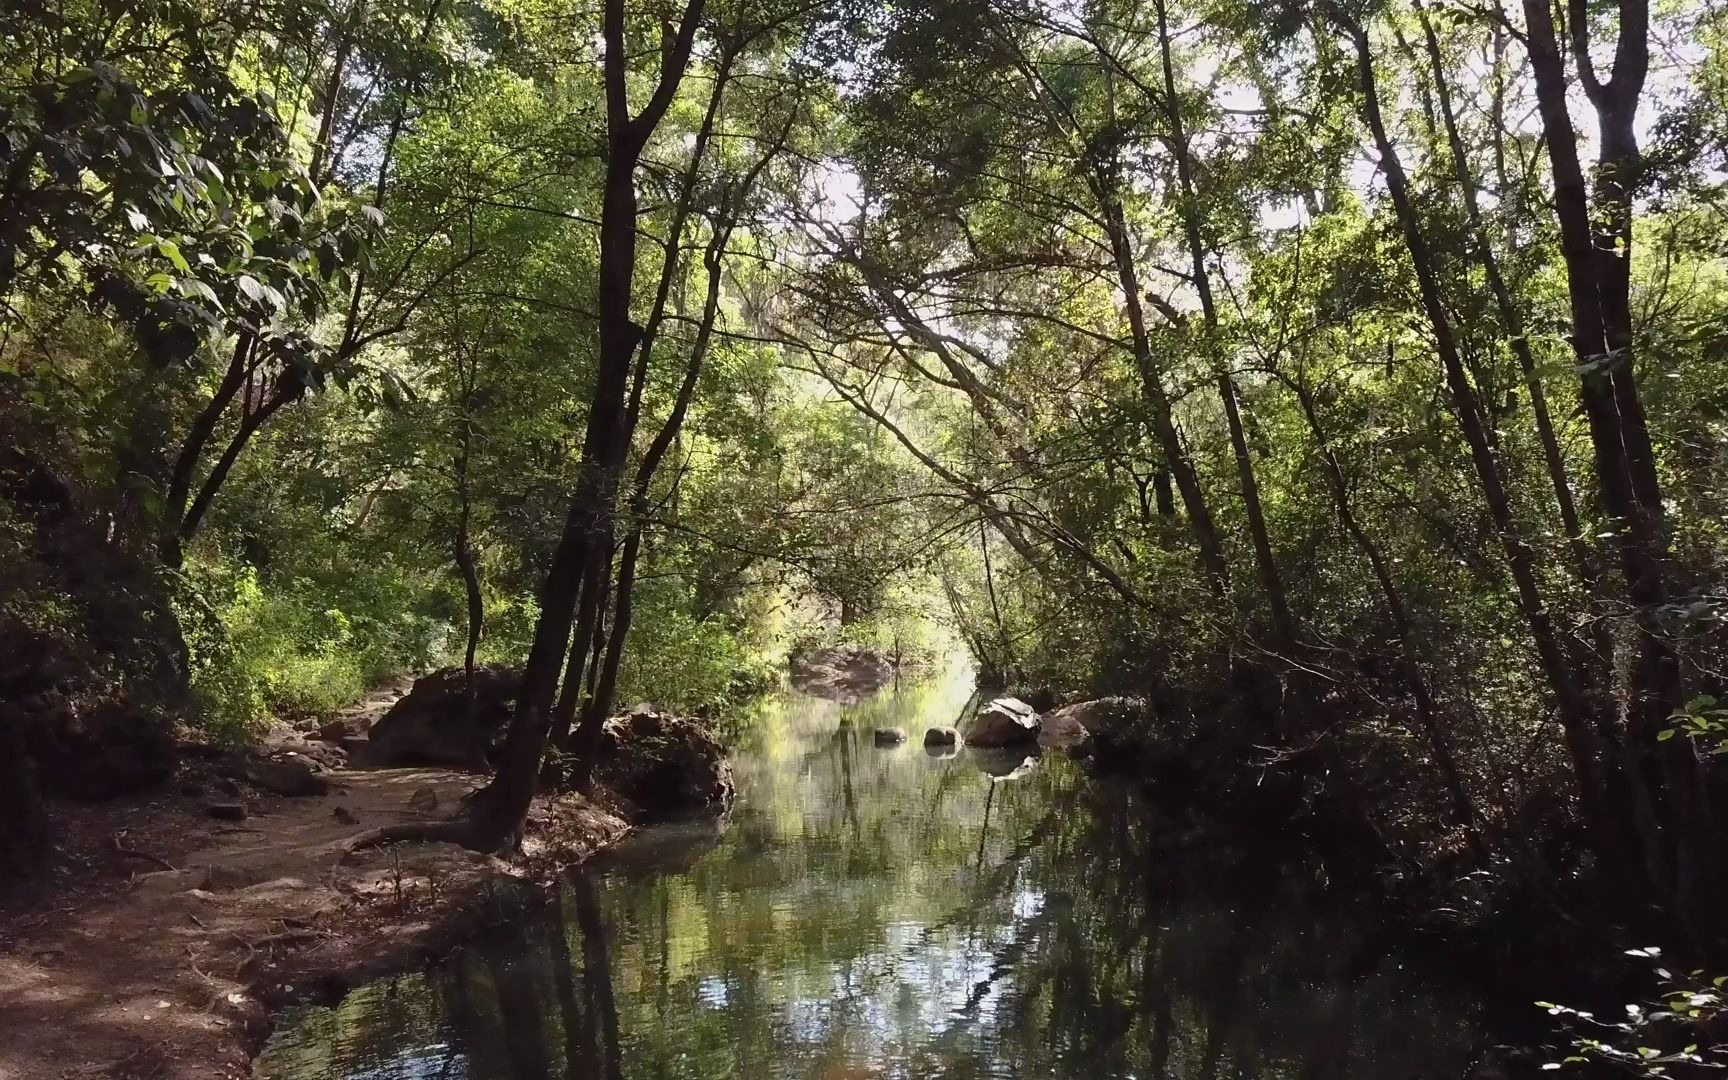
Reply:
x=460, y=831
x=133, y=853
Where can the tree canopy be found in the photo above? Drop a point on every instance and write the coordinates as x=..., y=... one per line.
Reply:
x=1345, y=376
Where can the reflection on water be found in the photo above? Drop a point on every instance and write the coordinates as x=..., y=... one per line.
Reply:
x=888, y=912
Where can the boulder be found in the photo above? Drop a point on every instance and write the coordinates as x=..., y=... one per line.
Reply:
x=888, y=736
x=433, y=725
x=844, y=672
x=1099, y=721
x=941, y=736
x=290, y=777
x=663, y=765
x=226, y=811
x=92, y=748
x=1001, y=764
x=1005, y=721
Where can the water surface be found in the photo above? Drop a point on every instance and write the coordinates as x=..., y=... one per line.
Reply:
x=883, y=912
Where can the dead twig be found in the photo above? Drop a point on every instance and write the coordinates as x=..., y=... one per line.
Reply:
x=133, y=853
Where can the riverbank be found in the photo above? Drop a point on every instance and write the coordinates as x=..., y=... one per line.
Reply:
x=167, y=937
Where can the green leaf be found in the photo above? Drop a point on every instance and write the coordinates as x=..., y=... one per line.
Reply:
x=171, y=251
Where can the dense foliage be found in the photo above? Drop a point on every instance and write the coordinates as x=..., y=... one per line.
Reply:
x=1347, y=376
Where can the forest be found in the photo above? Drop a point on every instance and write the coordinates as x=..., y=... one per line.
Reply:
x=1348, y=378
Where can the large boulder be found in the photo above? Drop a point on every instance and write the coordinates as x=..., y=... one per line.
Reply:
x=91, y=747
x=1101, y=722
x=844, y=672
x=433, y=724
x=1005, y=721
x=663, y=765
x=888, y=736
x=1003, y=763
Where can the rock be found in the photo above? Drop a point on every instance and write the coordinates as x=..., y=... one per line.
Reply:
x=344, y=727
x=226, y=811
x=424, y=800
x=1062, y=727
x=92, y=748
x=941, y=736
x=1002, y=764
x=192, y=789
x=290, y=777
x=343, y=817
x=844, y=673
x=663, y=764
x=888, y=736
x=433, y=725
x=226, y=786
x=1101, y=720
x=941, y=750
x=223, y=877
x=1004, y=722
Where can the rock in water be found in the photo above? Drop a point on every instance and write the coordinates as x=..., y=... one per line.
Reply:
x=888, y=736
x=1101, y=721
x=663, y=764
x=843, y=673
x=1004, y=722
x=941, y=736
x=433, y=724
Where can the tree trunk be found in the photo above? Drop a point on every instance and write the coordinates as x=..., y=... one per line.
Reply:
x=1427, y=715
x=1157, y=401
x=1282, y=624
x=1668, y=794
x=503, y=805
x=1583, y=562
x=1572, y=707
x=466, y=566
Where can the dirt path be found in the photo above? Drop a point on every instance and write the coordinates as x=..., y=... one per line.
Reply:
x=162, y=952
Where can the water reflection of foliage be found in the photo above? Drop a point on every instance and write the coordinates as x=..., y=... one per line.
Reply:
x=881, y=913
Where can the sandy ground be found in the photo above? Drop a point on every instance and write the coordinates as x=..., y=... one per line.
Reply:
x=169, y=936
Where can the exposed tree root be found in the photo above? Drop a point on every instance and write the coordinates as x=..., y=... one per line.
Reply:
x=463, y=831
x=133, y=853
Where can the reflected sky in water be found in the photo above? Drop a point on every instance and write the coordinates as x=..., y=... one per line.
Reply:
x=885, y=912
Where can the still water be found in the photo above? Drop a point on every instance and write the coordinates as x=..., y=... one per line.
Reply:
x=883, y=912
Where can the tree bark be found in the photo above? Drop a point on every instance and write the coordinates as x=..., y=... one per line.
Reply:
x=1266, y=562
x=503, y=804
x=1572, y=707
x=1583, y=561
x=1668, y=790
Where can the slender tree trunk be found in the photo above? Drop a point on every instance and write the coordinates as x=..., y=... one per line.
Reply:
x=1583, y=562
x=1271, y=581
x=192, y=448
x=1157, y=401
x=332, y=94
x=289, y=389
x=1572, y=707
x=1668, y=789
x=504, y=803
x=467, y=567
x=1428, y=721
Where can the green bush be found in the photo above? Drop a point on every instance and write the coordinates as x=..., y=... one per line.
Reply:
x=259, y=653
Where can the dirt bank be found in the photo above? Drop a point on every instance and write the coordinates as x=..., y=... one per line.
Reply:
x=167, y=936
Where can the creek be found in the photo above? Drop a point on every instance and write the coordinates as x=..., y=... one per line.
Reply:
x=887, y=912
